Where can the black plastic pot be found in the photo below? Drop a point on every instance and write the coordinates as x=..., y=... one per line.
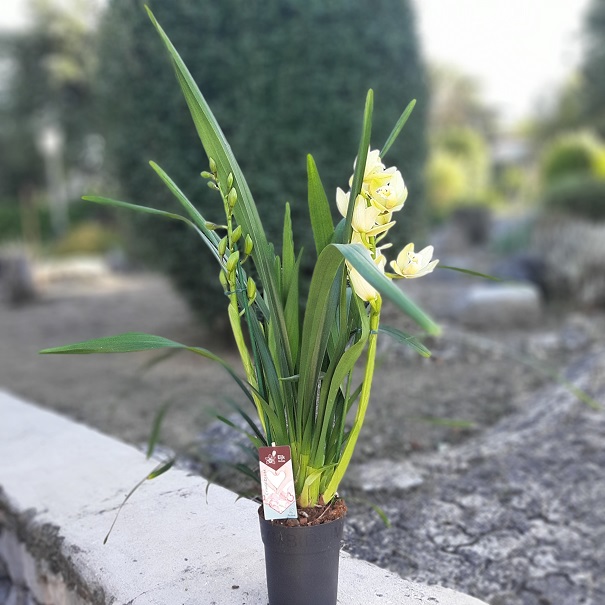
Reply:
x=302, y=562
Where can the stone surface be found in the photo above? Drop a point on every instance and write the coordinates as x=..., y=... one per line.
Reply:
x=515, y=516
x=500, y=305
x=16, y=279
x=174, y=542
x=383, y=474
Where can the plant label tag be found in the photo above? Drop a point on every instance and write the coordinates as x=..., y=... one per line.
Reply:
x=277, y=482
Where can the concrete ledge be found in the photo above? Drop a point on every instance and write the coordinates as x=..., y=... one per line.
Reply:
x=60, y=485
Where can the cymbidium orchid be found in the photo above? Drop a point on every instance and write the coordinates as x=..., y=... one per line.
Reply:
x=367, y=219
x=361, y=287
x=298, y=356
x=410, y=264
x=391, y=196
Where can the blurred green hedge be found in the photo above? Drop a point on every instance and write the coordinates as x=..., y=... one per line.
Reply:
x=581, y=196
x=571, y=155
x=284, y=78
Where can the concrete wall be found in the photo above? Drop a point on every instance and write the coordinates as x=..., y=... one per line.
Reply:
x=174, y=543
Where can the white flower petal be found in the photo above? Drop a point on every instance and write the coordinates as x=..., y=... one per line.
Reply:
x=342, y=201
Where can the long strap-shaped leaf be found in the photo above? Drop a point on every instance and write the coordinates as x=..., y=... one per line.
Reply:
x=360, y=163
x=319, y=208
x=406, y=339
x=398, y=127
x=321, y=306
x=106, y=201
x=131, y=342
x=217, y=147
x=193, y=212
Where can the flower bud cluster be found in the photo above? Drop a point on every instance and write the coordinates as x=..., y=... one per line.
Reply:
x=383, y=192
x=231, y=252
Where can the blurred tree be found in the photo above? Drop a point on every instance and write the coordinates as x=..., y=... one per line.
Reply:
x=445, y=183
x=469, y=148
x=458, y=172
x=593, y=68
x=558, y=113
x=48, y=71
x=285, y=78
x=456, y=102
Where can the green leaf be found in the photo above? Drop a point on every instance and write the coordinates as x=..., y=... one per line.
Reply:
x=360, y=258
x=209, y=238
x=319, y=208
x=155, y=429
x=106, y=201
x=319, y=315
x=291, y=312
x=196, y=217
x=406, y=339
x=469, y=272
x=216, y=146
x=248, y=420
x=121, y=343
x=398, y=127
x=288, y=258
x=156, y=472
x=343, y=365
x=131, y=342
x=360, y=163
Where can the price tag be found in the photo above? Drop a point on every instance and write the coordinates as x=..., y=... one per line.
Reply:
x=277, y=481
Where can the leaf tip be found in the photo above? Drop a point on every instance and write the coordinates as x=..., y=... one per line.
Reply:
x=435, y=330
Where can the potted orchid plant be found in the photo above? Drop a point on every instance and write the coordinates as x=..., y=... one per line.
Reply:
x=297, y=368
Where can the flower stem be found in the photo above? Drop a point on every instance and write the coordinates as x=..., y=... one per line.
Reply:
x=364, y=400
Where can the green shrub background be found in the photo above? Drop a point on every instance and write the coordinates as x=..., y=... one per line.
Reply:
x=583, y=197
x=284, y=78
x=572, y=155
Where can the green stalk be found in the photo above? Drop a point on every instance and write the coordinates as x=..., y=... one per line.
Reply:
x=236, y=328
x=364, y=400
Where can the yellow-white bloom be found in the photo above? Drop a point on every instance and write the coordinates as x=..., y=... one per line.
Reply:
x=342, y=201
x=391, y=195
x=364, y=216
x=410, y=264
x=375, y=174
x=368, y=220
x=360, y=286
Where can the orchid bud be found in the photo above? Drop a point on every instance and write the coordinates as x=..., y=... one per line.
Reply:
x=248, y=245
x=232, y=261
x=223, y=279
x=222, y=246
x=230, y=180
x=237, y=233
x=251, y=289
x=207, y=175
x=232, y=198
x=213, y=185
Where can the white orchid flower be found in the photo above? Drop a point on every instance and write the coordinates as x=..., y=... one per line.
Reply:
x=375, y=173
x=368, y=220
x=360, y=286
x=410, y=264
x=389, y=196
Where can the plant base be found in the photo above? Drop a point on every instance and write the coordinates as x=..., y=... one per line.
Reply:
x=302, y=562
